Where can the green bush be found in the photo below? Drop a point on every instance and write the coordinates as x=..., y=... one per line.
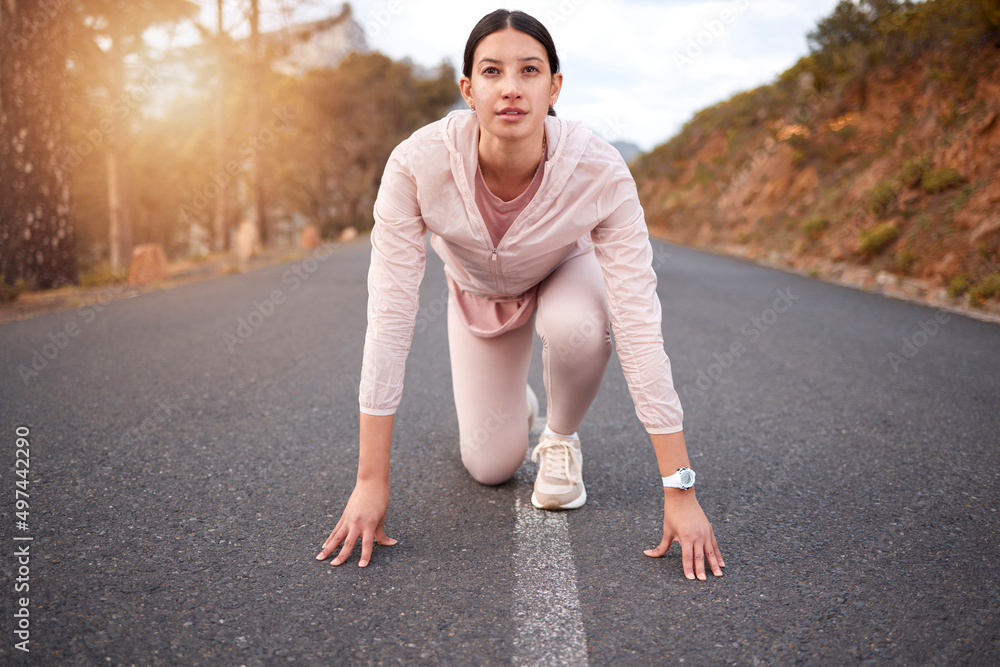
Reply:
x=913, y=170
x=881, y=196
x=904, y=261
x=703, y=174
x=815, y=226
x=988, y=289
x=100, y=274
x=878, y=238
x=938, y=180
x=732, y=136
x=11, y=292
x=960, y=200
x=958, y=286
x=846, y=132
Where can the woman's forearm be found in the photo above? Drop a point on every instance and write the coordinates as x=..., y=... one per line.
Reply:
x=671, y=452
x=373, y=452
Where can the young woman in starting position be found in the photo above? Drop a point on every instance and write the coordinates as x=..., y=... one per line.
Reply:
x=539, y=226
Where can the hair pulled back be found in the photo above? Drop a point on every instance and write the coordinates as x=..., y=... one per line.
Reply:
x=503, y=19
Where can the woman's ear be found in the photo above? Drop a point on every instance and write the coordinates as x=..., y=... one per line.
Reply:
x=557, y=81
x=465, y=85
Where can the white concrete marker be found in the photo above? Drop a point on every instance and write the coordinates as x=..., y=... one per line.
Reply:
x=546, y=604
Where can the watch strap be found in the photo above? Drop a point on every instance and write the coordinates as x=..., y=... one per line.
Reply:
x=684, y=478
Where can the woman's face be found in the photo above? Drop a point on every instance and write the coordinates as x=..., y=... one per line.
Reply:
x=511, y=86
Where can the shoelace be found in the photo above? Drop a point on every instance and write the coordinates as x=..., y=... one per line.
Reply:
x=560, y=453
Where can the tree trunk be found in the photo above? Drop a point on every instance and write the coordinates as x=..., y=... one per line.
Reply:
x=115, y=245
x=37, y=239
x=119, y=221
x=258, y=120
x=220, y=236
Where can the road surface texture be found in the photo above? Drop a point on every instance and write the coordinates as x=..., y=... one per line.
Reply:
x=188, y=451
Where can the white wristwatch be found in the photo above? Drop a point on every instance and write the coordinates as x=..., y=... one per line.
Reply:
x=682, y=479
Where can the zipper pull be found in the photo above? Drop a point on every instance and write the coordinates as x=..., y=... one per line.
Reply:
x=494, y=254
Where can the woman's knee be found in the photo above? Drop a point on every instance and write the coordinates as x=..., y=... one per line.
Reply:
x=573, y=331
x=493, y=461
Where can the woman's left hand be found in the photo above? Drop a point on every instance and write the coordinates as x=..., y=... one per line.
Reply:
x=685, y=522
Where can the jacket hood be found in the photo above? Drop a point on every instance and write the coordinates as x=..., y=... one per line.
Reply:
x=567, y=142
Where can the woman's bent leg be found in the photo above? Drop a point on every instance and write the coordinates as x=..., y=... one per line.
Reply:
x=573, y=324
x=489, y=376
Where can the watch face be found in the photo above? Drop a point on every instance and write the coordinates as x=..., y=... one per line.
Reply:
x=686, y=478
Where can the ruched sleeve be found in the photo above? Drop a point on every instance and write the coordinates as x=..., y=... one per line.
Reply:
x=397, y=267
x=621, y=242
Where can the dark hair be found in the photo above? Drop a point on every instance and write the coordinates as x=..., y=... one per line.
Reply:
x=503, y=19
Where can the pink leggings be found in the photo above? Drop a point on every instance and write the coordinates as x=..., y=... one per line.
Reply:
x=489, y=374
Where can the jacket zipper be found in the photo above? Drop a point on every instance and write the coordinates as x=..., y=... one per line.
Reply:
x=470, y=202
x=501, y=284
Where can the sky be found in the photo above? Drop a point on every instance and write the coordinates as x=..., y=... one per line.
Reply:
x=634, y=70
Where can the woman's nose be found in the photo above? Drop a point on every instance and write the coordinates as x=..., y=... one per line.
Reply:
x=511, y=90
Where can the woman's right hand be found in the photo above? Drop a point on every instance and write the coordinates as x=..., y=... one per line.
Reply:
x=363, y=517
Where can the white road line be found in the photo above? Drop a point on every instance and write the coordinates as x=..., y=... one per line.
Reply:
x=546, y=603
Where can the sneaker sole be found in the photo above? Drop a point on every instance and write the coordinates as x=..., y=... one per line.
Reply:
x=572, y=505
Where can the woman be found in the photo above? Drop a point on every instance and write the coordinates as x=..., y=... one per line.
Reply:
x=539, y=226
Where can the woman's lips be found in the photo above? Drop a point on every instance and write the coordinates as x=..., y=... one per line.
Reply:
x=512, y=113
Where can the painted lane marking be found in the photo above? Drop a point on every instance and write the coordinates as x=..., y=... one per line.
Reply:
x=547, y=611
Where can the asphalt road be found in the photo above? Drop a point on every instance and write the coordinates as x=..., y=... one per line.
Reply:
x=184, y=470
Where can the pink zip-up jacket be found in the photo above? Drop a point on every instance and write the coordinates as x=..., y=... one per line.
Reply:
x=587, y=200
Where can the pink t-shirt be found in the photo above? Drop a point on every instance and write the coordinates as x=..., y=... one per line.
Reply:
x=498, y=214
x=492, y=317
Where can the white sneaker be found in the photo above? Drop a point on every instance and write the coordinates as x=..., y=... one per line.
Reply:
x=559, y=485
x=532, y=408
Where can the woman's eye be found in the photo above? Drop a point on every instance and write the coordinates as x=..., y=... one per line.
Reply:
x=530, y=68
x=490, y=70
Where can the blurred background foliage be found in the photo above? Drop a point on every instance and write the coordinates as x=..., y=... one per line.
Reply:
x=880, y=148
x=845, y=47
x=878, y=151
x=110, y=139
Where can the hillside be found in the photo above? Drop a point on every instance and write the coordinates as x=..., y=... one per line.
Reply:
x=874, y=164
